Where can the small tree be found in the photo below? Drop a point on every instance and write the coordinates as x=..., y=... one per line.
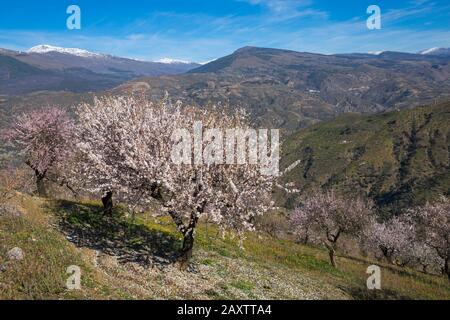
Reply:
x=328, y=216
x=394, y=238
x=44, y=140
x=433, y=225
x=303, y=222
x=421, y=255
x=11, y=181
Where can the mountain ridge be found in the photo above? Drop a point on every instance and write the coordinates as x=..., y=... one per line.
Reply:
x=45, y=48
x=280, y=88
x=76, y=70
x=291, y=90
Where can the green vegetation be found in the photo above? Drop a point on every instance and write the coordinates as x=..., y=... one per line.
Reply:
x=399, y=159
x=131, y=258
x=42, y=273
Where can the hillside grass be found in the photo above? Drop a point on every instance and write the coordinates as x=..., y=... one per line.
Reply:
x=47, y=254
x=125, y=257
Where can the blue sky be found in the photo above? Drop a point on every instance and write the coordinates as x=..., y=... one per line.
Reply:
x=199, y=30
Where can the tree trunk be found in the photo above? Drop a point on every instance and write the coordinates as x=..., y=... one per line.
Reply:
x=331, y=246
x=447, y=268
x=40, y=184
x=306, y=239
x=188, y=243
x=388, y=254
x=332, y=254
x=107, y=203
x=424, y=268
x=186, y=251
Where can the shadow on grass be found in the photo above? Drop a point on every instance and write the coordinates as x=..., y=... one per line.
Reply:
x=86, y=226
x=360, y=293
x=427, y=278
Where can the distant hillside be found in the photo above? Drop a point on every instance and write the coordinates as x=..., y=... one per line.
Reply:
x=64, y=69
x=291, y=90
x=397, y=158
x=17, y=77
x=280, y=88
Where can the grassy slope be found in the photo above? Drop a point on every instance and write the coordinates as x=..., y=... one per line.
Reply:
x=114, y=257
x=398, y=158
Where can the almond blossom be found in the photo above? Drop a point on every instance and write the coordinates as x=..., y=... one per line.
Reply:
x=44, y=139
x=127, y=147
x=433, y=225
x=324, y=217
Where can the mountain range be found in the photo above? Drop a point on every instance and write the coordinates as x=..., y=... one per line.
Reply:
x=356, y=121
x=292, y=90
x=46, y=67
x=280, y=88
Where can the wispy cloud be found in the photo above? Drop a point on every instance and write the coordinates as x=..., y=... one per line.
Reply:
x=288, y=9
x=202, y=36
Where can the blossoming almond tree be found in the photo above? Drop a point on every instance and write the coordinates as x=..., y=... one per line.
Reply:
x=11, y=180
x=433, y=224
x=421, y=255
x=327, y=216
x=103, y=136
x=303, y=221
x=395, y=238
x=129, y=147
x=44, y=140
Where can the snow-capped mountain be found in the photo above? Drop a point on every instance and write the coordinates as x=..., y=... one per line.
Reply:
x=45, y=48
x=172, y=61
x=427, y=52
x=436, y=51
x=48, y=67
x=53, y=57
x=56, y=68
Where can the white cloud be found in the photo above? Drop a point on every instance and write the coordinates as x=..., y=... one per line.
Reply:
x=288, y=9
